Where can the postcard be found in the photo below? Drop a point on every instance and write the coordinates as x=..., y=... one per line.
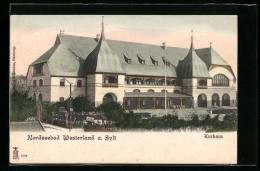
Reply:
x=123, y=89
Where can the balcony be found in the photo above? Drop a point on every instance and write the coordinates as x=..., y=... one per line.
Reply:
x=110, y=85
x=202, y=87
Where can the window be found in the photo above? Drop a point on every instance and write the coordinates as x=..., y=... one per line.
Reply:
x=136, y=90
x=136, y=81
x=154, y=61
x=61, y=99
x=62, y=82
x=141, y=59
x=177, y=91
x=40, y=97
x=150, y=91
x=162, y=82
x=110, y=79
x=34, y=96
x=164, y=91
x=34, y=83
x=38, y=69
x=226, y=100
x=40, y=82
x=220, y=80
x=150, y=82
x=127, y=59
x=202, y=83
x=79, y=83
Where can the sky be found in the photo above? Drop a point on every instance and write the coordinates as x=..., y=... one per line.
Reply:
x=35, y=34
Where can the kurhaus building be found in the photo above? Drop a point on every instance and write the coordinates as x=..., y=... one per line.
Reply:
x=132, y=74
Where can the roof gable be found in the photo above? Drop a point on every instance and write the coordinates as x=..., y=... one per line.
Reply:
x=211, y=57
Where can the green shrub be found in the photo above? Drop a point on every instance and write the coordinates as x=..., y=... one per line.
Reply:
x=21, y=107
x=80, y=104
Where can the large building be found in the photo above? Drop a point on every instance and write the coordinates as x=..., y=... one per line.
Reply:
x=139, y=76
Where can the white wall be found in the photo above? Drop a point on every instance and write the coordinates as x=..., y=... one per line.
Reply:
x=58, y=91
x=101, y=91
x=212, y=90
x=145, y=88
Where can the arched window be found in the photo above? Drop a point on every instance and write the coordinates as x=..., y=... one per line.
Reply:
x=110, y=79
x=225, y=100
x=136, y=81
x=220, y=80
x=79, y=83
x=34, y=83
x=215, y=99
x=164, y=91
x=34, y=96
x=150, y=91
x=174, y=82
x=40, y=97
x=40, y=82
x=61, y=99
x=62, y=82
x=136, y=90
x=150, y=82
x=202, y=100
x=177, y=91
x=162, y=82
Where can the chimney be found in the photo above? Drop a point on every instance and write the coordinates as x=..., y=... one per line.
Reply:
x=98, y=37
x=163, y=45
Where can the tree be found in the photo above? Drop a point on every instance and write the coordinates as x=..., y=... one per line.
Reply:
x=81, y=103
x=21, y=107
x=112, y=110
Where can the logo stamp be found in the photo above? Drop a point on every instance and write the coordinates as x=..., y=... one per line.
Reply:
x=15, y=153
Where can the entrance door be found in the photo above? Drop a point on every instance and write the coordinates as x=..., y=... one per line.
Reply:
x=109, y=97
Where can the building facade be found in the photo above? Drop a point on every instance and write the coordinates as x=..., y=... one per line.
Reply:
x=139, y=76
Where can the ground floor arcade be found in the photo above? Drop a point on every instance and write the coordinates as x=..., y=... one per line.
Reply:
x=139, y=101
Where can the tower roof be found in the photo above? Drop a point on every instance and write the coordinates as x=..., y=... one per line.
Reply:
x=102, y=59
x=192, y=66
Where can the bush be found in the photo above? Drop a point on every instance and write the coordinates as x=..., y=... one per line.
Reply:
x=112, y=111
x=80, y=104
x=21, y=107
x=229, y=123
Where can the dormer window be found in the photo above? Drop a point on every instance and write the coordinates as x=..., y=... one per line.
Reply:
x=141, y=59
x=166, y=61
x=127, y=59
x=154, y=61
